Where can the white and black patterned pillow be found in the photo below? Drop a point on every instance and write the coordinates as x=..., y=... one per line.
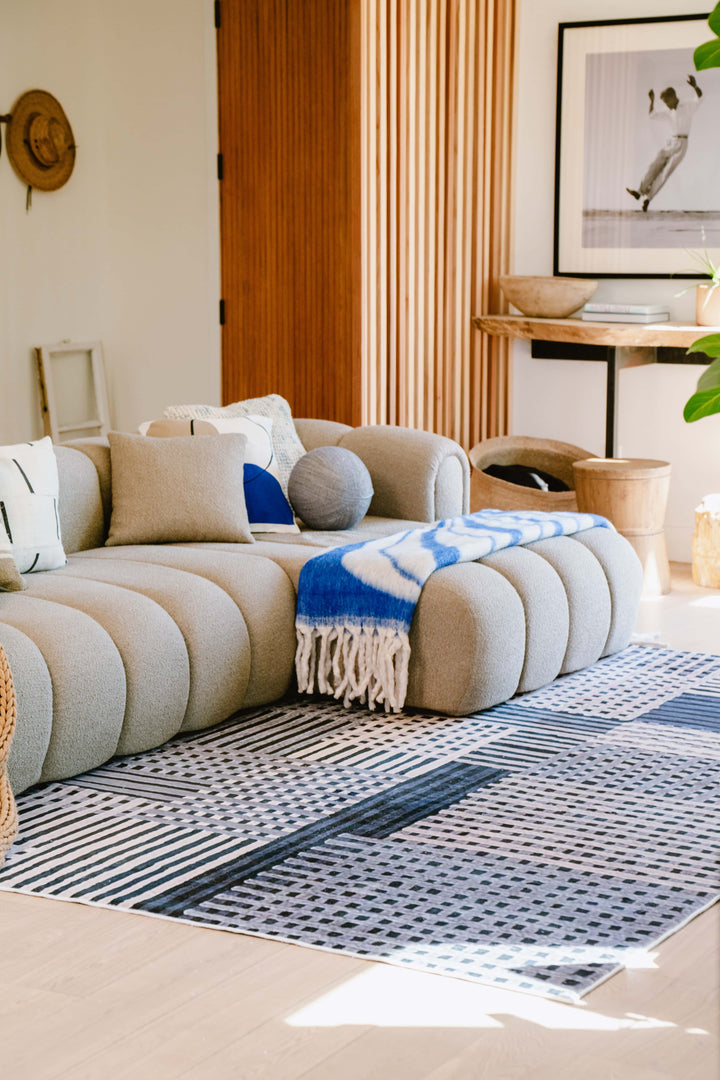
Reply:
x=29, y=522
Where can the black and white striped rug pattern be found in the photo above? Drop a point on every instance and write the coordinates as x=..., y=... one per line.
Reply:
x=540, y=846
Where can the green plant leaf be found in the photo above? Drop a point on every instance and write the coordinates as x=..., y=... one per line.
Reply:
x=714, y=20
x=710, y=378
x=703, y=403
x=707, y=55
x=710, y=345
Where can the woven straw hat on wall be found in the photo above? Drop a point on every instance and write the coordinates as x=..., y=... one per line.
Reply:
x=40, y=142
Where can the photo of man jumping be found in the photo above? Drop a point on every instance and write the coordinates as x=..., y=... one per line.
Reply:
x=679, y=115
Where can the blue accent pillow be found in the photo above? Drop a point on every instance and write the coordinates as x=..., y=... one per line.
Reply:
x=267, y=507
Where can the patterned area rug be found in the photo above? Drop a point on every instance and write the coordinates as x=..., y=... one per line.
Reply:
x=538, y=846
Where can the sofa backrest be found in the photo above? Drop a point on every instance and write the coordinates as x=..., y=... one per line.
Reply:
x=314, y=433
x=417, y=476
x=84, y=499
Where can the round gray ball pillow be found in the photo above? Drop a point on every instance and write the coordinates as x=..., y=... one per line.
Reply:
x=330, y=488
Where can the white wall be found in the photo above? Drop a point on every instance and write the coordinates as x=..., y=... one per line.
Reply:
x=572, y=393
x=127, y=251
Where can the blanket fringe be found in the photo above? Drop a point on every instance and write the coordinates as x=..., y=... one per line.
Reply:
x=355, y=664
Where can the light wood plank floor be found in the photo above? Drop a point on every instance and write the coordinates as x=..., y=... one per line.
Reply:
x=91, y=994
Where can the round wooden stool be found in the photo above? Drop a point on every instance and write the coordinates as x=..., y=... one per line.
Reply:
x=632, y=493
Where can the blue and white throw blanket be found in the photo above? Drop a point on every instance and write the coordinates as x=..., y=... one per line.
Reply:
x=356, y=603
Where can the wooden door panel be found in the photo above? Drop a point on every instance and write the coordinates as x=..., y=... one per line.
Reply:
x=290, y=203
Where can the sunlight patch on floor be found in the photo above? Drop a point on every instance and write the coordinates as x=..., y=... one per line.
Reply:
x=516, y=957
x=706, y=602
x=391, y=997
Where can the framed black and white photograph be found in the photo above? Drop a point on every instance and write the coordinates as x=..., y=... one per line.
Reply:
x=637, y=168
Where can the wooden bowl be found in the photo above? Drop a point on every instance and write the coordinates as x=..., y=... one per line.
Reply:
x=547, y=297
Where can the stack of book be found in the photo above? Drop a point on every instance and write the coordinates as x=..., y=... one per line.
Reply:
x=627, y=313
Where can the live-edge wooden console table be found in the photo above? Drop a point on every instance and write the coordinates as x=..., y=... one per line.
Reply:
x=619, y=345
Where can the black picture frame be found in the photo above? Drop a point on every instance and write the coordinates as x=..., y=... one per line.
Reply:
x=610, y=157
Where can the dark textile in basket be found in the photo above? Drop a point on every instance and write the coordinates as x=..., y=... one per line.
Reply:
x=526, y=476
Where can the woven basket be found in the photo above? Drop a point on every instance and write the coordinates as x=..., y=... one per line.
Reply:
x=552, y=457
x=8, y=810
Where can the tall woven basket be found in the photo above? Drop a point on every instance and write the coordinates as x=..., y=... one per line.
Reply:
x=8, y=810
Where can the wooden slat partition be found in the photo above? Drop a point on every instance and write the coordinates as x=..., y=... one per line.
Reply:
x=438, y=80
x=365, y=209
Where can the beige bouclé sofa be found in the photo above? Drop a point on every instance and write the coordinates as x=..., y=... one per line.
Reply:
x=126, y=646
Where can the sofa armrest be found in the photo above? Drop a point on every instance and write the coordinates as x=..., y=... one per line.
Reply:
x=416, y=475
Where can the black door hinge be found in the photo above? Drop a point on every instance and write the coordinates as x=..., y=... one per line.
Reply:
x=220, y=166
x=217, y=15
x=222, y=312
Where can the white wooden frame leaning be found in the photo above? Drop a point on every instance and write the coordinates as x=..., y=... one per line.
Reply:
x=47, y=357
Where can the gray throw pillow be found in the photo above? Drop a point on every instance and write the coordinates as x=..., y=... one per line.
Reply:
x=184, y=489
x=330, y=488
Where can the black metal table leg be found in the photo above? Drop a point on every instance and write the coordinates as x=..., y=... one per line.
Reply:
x=610, y=401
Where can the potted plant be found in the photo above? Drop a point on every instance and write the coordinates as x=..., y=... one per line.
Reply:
x=707, y=55
x=707, y=304
x=706, y=399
